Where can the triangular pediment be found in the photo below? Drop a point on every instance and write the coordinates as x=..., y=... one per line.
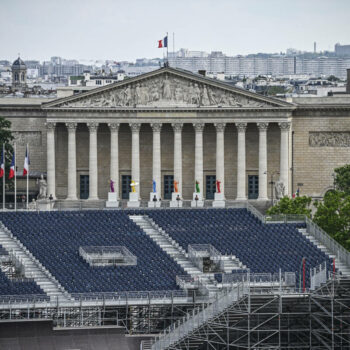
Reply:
x=167, y=88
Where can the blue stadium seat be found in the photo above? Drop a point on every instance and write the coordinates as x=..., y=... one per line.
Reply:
x=261, y=247
x=54, y=239
x=13, y=287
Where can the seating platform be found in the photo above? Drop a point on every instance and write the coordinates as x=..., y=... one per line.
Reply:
x=54, y=238
x=263, y=248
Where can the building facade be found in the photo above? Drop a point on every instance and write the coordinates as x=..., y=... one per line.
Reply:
x=171, y=125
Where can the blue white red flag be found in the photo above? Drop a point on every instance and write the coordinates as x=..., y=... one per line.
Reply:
x=12, y=168
x=163, y=43
x=26, y=163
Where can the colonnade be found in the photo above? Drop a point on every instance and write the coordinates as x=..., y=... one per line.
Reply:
x=156, y=163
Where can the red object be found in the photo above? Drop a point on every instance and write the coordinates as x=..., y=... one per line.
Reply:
x=303, y=275
x=334, y=265
x=218, y=186
x=160, y=44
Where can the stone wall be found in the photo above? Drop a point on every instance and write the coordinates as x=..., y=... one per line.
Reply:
x=316, y=158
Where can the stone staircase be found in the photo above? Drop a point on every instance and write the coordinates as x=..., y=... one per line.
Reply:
x=32, y=267
x=344, y=269
x=174, y=250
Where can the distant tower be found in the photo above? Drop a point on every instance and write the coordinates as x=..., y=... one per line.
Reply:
x=315, y=47
x=19, y=73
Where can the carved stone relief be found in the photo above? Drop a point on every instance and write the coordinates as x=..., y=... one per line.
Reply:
x=32, y=138
x=329, y=139
x=165, y=91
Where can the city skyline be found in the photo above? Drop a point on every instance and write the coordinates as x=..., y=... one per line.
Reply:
x=41, y=29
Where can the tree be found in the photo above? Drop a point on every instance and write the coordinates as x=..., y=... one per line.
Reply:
x=333, y=78
x=333, y=215
x=297, y=205
x=342, y=178
x=5, y=139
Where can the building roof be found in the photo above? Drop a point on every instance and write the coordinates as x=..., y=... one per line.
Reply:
x=19, y=64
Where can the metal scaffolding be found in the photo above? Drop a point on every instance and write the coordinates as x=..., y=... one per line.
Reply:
x=281, y=319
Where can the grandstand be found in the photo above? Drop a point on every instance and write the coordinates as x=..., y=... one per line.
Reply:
x=178, y=272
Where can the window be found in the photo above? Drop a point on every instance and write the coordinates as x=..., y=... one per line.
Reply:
x=126, y=180
x=98, y=82
x=168, y=186
x=253, y=186
x=210, y=186
x=84, y=186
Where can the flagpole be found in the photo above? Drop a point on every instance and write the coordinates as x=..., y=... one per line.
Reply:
x=174, y=49
x=28, y=161
x=4, y=177
x=15, y=180
x=167, y=46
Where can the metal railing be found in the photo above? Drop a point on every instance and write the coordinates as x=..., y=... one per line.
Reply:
x=323, y=237
x=226, y=297
x=199, y=316
x=318, y=276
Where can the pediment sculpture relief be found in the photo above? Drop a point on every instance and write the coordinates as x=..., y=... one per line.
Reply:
x=166, y=91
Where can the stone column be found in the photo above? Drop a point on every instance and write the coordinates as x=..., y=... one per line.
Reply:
x=93, y=176
x=135, y=154
x=157, y=168
x=262, y=160
x=198, y=163
x=72, y=161
x=241, y=162
x=220, y=155
x=51, y=170
x=114, y=163
x=284, y=156
x=178, y=154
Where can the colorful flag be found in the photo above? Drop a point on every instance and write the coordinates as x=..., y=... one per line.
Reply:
x=2, y=166
x=163, y=43
x=26, y=163
x=12, y=168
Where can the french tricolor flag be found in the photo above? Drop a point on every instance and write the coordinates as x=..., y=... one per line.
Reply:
x=2, y=165
x=163, y=43
x=12, y=168
x=26, y=163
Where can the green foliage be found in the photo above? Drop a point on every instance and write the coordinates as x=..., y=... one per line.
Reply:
x=333, y=215
x=274, y=90
x=342, y=178
x=333, y=78
x=5, y=139
x=297, y=205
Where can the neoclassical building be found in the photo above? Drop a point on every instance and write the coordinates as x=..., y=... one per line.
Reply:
x=171, y=125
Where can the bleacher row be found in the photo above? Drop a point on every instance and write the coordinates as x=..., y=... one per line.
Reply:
x=54, y=239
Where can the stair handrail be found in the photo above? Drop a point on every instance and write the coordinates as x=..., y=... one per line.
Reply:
x=323, y=237
x=33, y=259
x=197, y=317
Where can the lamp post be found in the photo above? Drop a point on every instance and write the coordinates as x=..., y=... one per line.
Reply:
x=273, y=173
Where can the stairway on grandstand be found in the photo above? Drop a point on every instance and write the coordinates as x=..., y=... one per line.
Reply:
x=32, y=270
x=179, y=254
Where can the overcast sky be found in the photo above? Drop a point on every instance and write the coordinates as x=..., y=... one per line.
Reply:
x=129, y=29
